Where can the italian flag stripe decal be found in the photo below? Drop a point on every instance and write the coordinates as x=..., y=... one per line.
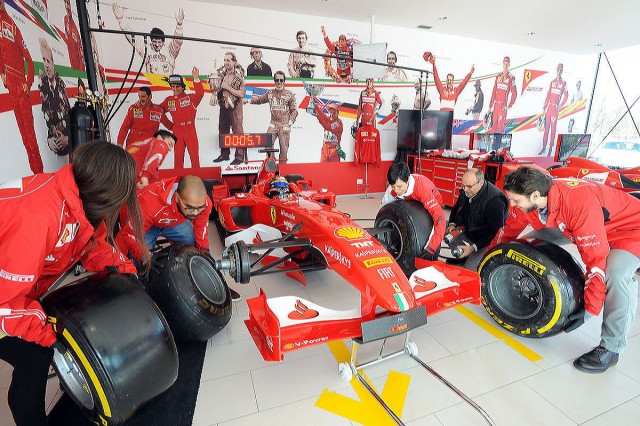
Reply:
x=402, y=302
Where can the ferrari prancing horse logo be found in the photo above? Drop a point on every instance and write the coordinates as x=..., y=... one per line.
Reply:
x=273, y=215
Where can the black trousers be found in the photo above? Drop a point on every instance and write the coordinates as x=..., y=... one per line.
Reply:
x=28, y=387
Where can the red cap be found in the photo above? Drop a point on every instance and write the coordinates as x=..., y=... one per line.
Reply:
x=506, y=59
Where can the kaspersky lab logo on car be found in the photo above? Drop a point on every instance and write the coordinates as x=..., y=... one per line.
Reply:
x=527, y=262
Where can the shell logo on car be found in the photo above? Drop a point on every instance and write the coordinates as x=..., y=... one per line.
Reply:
x=349, y=233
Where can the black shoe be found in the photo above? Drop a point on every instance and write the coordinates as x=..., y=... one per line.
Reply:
x=221, y=158
x=598, y=360
x=236, y=161
x=544, y=148
x=235, y=296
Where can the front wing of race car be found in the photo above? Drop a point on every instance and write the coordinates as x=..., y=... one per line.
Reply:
x=283, y=324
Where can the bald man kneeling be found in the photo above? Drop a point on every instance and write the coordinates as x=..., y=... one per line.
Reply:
x=177, y=209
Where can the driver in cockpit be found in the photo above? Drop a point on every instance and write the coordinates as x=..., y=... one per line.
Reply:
x=279, y=188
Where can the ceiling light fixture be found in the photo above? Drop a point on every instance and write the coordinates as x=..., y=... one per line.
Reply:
x=425, y=27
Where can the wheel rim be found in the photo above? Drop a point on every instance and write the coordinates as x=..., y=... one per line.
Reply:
x=392, y=241
x=71, y=376
x=515, y=291
x=207, y=280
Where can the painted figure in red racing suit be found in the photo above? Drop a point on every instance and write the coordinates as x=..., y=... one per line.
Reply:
x=143, y=119
x=370, y=103
x=13, y=55
x=183, y=109
x=49, y=222
x=556, y=98
x=332, y=133
x=449, y=94
x=72, y=39
x=405, y=186
x=500, y=103
x=343, y=52
x=604, y=223
x=149, y=155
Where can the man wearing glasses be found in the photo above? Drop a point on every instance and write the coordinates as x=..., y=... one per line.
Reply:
x=481, y=210
x=282, y=103
x=175, y=208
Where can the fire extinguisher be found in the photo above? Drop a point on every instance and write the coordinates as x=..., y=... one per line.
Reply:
x=81, y=127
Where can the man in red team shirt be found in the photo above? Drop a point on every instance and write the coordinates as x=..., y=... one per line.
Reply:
x=406, y=186
x=143, y=120
x=72, y=38
x=557, y=95
x=449, y=94
x=500, y=103
x=604, y=223
x=367, y=149
x=13, y=54
x=183, y=109
x=175, y=208
x=149, y=155
x=368, y=105
x=331, y=151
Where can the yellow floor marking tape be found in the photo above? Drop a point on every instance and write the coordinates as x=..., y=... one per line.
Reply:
x=365, y=410
x=496, y=332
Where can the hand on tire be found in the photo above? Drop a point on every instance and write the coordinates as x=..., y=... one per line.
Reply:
x=577, y=319
x=59, y=346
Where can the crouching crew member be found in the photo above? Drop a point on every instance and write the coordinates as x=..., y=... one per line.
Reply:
x=175, y=208
x=480, y=211
x=604, y=223
x=406, y=186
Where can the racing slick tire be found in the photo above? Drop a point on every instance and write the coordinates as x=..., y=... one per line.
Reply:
x=120, y=351
x=531, y=289
x=191, y=293
x=295, y=179
x=411, y=225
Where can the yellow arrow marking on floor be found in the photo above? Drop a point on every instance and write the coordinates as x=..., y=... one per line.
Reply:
x=490, y=328
x=366, y=410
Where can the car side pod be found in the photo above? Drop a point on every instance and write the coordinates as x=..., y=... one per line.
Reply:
x=283, y=324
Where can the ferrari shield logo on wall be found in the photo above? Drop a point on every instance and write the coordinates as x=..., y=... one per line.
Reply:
x=273, y=215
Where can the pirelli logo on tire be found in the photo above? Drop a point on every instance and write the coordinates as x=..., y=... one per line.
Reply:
x=527, y=262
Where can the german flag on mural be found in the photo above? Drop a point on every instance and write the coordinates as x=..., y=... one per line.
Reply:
x=529, y=76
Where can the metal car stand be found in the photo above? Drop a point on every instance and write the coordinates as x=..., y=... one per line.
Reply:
x=365, y=185
x=348, y=370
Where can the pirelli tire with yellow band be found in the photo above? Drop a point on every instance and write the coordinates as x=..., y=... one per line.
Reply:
x=117, y=341
x=531, y=289
x=411, y=226
x=191, y=293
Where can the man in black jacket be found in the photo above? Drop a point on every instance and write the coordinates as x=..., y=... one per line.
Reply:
x=481, y=210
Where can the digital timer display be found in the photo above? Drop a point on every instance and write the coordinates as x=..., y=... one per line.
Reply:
x=246, y=140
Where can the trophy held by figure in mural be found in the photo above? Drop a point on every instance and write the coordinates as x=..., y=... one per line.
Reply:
x=312, y=90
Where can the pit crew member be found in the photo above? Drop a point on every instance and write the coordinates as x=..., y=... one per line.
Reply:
x=603, y=222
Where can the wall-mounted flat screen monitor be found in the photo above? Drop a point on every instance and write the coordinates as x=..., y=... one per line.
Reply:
x=431, y=131
x=572, y=145
x=485, y=142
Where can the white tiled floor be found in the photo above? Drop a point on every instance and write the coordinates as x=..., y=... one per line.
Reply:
x=239, y=388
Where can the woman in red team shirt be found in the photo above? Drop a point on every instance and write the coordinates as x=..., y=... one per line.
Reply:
x=47, y=223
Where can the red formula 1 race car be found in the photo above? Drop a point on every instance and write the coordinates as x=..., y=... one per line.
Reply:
x=627, y=180
x=296, y=229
